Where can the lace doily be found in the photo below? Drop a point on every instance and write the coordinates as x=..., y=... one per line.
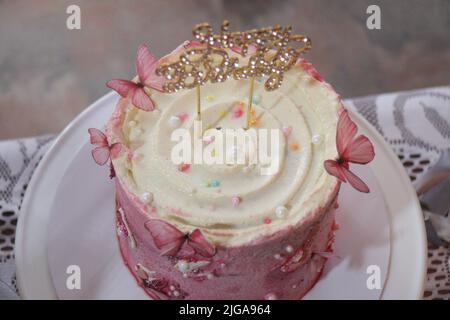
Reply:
x=415, y=123
x=18, y=159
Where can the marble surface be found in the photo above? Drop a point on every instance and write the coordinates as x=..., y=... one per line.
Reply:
x=48, y=74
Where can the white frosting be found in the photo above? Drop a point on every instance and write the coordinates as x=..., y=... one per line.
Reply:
x=308, y=106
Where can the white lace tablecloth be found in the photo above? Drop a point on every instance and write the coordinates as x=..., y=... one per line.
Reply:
x=415, y=123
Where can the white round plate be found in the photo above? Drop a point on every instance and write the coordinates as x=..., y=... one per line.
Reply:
x=393, y=236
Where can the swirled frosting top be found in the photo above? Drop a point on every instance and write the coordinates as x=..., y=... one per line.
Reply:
x=232, y=204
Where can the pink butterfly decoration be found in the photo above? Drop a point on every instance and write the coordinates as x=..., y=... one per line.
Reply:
x=309, y=68
x=169, y=239
x=146, y=65
x=295, y=261
x=351, y=150
x=103, y=151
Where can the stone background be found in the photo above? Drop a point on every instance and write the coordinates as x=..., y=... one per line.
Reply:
x=48, y=74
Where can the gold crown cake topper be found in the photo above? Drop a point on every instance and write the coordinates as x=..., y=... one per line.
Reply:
x=270, y=53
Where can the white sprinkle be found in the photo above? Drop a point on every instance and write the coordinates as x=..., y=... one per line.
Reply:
x=294, y=286
x=174, y=122
x=147, y=197
x=210, y=276
x=185, y=275
x=172, y=288
x=289, y=249
x=176, y=293
x=270, y=296
x=277, y=256
x=182, y=266
x=316, y=139
x=281, y=212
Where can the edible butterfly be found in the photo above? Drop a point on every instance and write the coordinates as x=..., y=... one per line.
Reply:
x=103, y=151
x=169, y=240
x=146, y=65
x=351, y=150
x=309, y=68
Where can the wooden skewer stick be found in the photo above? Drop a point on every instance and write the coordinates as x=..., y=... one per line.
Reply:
x=250, y=101
x=199, y=110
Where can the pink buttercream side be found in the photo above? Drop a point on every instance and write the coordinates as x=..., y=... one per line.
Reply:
x=267, y=266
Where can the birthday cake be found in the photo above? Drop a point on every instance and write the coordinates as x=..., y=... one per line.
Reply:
x=227, y=230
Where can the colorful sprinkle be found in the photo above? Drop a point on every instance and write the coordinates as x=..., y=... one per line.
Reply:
x=215, y=183
x=294, y=146
x=183, y=116
x=238, y=110
x=286, y=130
x=222, y=114
x=129, y=155
x=316, y=139
x=267, y=221
x=184, y=167
x=174, y=122
x=256, y=123
x=208, y=139
x=235, y=201
x=136, y=157
x=256, y=98
x=210, y=98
